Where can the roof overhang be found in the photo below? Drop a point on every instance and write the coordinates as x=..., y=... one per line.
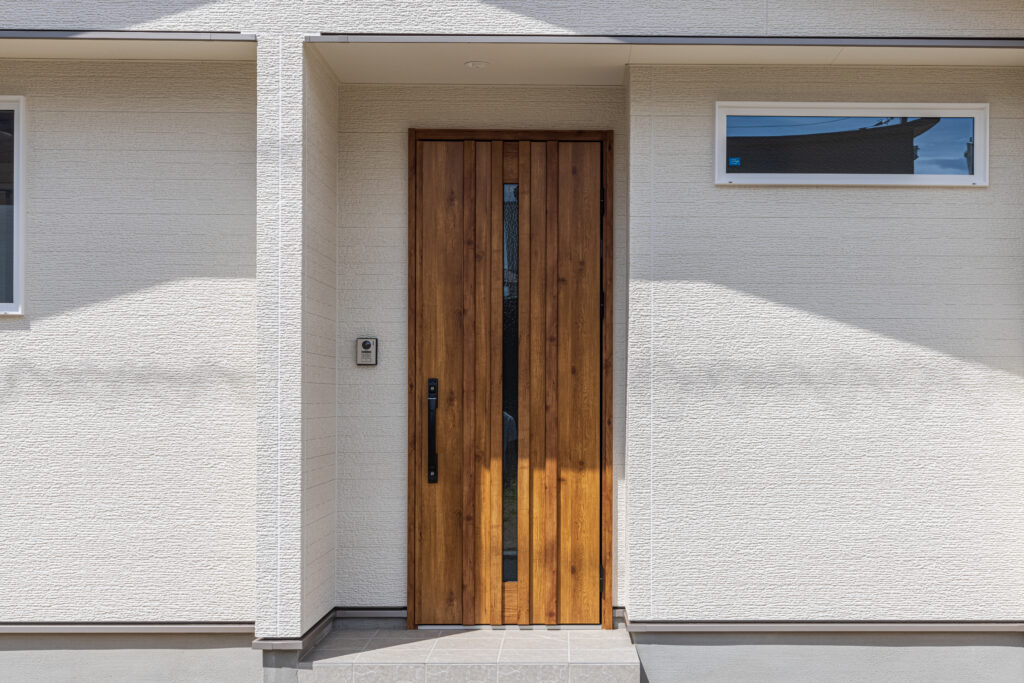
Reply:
x=127, y=45
x=601, y=60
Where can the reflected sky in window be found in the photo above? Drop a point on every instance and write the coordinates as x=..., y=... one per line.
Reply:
x=6, y=206
x=945, y=148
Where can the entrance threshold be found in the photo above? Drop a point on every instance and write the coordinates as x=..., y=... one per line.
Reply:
x=562, y=654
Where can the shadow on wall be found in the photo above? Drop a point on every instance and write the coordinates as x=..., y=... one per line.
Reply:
x=139, y=190
x=75, y=16
x=645, y=17
x=781, y=298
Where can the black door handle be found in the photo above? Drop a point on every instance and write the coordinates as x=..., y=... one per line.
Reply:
x=432, y=430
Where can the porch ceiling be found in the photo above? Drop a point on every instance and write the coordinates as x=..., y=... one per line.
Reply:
x=516, y=60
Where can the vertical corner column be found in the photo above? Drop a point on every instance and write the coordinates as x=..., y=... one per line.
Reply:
x=279, y=192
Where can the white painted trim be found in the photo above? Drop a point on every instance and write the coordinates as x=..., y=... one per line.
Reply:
x=127, y=628
x=978, y=111
x=17, y=104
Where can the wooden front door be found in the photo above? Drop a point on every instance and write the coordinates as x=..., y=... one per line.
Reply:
x=510, y=384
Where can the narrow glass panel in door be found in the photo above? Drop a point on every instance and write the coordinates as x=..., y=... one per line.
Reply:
x=510, y=382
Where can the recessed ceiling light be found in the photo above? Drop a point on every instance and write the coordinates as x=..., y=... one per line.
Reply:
x=477, y=64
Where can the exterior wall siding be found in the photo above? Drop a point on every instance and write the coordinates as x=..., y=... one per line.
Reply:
x=319, y=328
x=127, y=409
x=825, y=383
x=279, y=259
x=372, y=300
x=998, y=18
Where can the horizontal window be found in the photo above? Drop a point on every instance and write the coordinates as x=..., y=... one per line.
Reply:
x=10, y=205
x=851, y=144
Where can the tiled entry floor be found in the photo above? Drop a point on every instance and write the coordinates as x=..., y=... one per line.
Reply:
x=499, y=655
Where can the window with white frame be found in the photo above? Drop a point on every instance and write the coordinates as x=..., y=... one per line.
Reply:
x=10, y=205
x=841, y=143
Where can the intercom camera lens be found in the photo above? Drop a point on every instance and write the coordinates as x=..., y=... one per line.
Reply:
x=367, y=344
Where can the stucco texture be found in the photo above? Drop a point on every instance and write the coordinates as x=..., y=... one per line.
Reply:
x=319, y=330
x=602, y=17
x=825, y=383
x=373, y=301
x=127, y=407
x=279, y=264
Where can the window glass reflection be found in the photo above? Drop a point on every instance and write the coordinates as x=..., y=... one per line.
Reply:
x=510, y=384
x=6, y=206
x=850, y=144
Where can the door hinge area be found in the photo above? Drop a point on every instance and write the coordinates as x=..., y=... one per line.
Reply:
x=602, y=200
x=602, y=304
x=602, y=579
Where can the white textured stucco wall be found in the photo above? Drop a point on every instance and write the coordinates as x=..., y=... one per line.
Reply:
x=127, y=406
x=825, y=384
x=656, y=17
x=372, y=300
x=319, y=329
x=280, y=86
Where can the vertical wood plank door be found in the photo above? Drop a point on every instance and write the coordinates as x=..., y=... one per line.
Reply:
x=509, y=378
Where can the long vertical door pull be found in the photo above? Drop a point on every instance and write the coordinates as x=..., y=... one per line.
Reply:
x=432, y=430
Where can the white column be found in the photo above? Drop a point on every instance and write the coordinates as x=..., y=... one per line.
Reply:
x=279, y=332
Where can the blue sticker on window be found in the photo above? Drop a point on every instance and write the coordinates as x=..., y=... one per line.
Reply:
x=734, y=161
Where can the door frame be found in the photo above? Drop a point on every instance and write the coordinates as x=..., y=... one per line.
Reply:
x=605, y=137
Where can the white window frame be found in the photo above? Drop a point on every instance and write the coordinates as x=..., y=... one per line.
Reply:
x=979, y=112
x=17, y=104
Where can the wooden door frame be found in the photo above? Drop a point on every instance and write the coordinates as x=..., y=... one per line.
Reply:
x=605, y=137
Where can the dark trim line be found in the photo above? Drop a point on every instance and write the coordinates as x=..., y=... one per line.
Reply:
x=126, y=627
x=741, y=626
x=370, y=613
x=323, y=626
x=1011, y=43
x=303, y=643
x=226, y=36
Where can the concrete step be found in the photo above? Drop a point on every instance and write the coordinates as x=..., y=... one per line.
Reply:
x=471, y=656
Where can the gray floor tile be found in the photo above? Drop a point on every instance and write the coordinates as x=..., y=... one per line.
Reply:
x=467, y=656
x=604, y=673
x=388, y=673
x=533, y=673
x=332, y=656
x=462, y=673
x=613, y=655
x=393, y=657
x=535, y=656
x=335, y=673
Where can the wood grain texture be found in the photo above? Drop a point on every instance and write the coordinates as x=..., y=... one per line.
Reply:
x=550, y=517
x=469, y=383
x=534, y=135
x=413, y=317
x=483, y=579
x=510, y=601
x=607, y=359
x=441, y=341
x=510, y=161
x=564, y=413
x=496, y=289
x=524, y=527
x=579, y=380
x=541, y=567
